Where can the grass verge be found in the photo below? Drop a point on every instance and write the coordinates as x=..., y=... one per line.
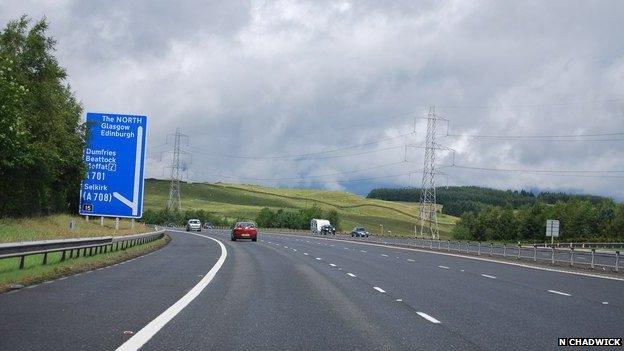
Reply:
x=34, y=272
x=57, y=227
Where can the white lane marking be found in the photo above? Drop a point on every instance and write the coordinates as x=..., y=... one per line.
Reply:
x=384, y=255
x=488, y=276
x=295, y=250
x=428, y=317
x=346, y=248
x=307, y=241
x=399, y=300
x=331, y=245
x=461, y=270
x=32, y=286
x=409, y=259
x=605, y=302
x=479, y=259
x=379, y=289
x=398, y=257
x=63, y=278
x=285, y=246
x=333, y=265
x=318, y=258
x=351, y=275
x=305, y=253
x=559, y=293
x=364, y=251
x=445, y=267
x=147, y=332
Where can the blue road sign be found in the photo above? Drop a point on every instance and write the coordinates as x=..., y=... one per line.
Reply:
x=115, y=157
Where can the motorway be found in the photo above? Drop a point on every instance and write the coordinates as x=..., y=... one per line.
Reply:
x=298, y=292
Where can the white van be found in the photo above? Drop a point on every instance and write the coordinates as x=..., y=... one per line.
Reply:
x=316, y=225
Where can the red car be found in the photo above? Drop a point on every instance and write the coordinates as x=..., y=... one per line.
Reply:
x=245, y=230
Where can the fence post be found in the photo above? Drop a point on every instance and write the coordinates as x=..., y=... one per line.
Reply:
x=519, y=250
x=458, y=246
x=617, y=260
x=571, y=256
x=552, y=255
x=491, y=249
x=479, y=252
x=63, y=256
x=45, y=258
x=504, y=250
x=22, y=262
x=448, y=245
x=593, y=253
x=534, y=252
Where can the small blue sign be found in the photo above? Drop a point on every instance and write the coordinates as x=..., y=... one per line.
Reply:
x=115, y=158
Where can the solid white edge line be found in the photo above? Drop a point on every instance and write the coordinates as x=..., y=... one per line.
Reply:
x=547, y=269
x=351, y=275
x=559, y=293
x=147, y=332
x=444, y=267
x=379, y=289
x=428, y=317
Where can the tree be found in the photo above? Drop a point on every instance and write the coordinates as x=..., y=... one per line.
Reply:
x=41, y=133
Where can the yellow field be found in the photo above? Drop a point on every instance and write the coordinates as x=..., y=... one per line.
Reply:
x=241, y=200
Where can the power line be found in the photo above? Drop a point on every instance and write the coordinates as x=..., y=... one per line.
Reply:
x=537, y=170
x=339, y=181
x=303, y=178
x=506, y=107
x=304, y=155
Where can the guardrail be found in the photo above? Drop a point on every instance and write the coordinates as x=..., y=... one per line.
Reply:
x=590, y=259
x=71, y=248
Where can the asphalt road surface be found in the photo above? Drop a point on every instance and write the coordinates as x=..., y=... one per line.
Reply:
x=303, y=293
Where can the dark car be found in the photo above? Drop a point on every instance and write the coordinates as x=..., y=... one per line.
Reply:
x=328, y=230
x=359, y=232
x=245, y=230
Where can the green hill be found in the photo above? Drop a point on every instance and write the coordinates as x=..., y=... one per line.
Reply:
x=237, y=200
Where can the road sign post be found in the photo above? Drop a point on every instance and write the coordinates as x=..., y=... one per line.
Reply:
x=115, y=158
x=552, y=229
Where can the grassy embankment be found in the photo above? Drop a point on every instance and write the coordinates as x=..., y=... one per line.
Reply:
x=236, y=201
x=57, y=227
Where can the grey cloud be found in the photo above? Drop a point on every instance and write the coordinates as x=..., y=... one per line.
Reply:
x=290, y=77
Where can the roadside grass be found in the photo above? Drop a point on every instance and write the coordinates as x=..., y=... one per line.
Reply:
x=34, y=272
x=57, y=227
x=245, y=201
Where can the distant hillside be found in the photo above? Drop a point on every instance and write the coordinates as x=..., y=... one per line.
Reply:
x=456, y=200
x=245, y=201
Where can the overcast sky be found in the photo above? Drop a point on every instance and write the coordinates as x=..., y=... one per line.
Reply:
x=264, y=79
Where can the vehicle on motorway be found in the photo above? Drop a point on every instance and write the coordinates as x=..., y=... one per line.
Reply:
x=208, y=225
x=359, y=232
x=317, y=224
x=245, y=230
x=328, y=230
x=194, y=225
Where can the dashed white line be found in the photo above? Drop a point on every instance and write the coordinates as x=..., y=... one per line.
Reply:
x=364, y=251
x=333, y=265
x=384, y=255
x=318, y=258
x=379, y=289
x=428, y=317
x=285, y=246
x=399, y=300
x=559, y=293
x=409, y=259
x=605, y=302
x=444, y=267
x=351, y=275
x=295, y=250
x=488, y=276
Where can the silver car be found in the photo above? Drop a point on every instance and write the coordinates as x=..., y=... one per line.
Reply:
x=194, y=225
